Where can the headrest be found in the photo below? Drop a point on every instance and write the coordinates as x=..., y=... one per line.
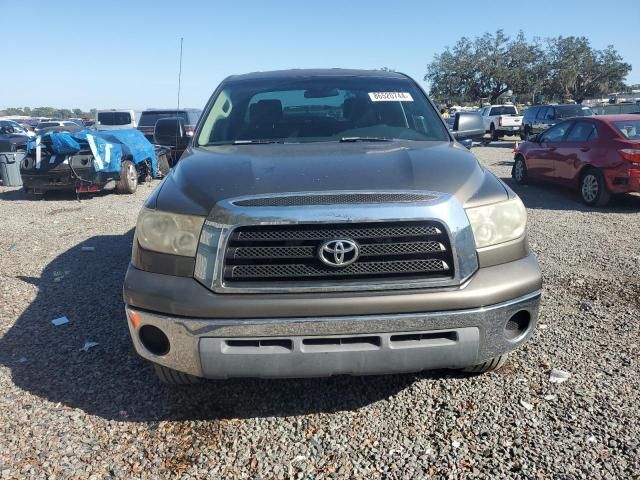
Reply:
x=355, y=107
x=265, y=111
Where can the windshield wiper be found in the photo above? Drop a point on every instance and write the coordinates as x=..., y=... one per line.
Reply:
x=255, y=142
x=365, y=139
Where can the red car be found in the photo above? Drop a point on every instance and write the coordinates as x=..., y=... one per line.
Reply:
x=600, y=156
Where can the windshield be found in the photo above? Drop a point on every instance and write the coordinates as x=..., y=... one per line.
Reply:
x=507, y=110
x=114, y=118
x=568, y=111
x=320, y=109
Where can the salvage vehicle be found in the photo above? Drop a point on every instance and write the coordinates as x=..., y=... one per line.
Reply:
x=326, y=222
x=501, y=120
x=89, y=161
x=599, y=156
x=539, y=118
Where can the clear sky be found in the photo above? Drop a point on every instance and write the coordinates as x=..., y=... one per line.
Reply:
x=118, y=53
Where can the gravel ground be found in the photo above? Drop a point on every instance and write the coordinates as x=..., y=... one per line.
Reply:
x=68, y=413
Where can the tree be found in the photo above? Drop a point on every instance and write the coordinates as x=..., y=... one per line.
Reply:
x=579, y=71
x=491, y=65
x=486, y=67
x=77, y=112
x=13, y=111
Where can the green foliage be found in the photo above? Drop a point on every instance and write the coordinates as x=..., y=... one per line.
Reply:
x=48, y=112
x=578, y=71
x=489, y=66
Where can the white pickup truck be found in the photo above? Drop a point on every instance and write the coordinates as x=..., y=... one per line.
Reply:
x=501, y=120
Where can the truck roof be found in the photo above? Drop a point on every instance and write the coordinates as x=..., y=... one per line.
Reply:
x=313, y=72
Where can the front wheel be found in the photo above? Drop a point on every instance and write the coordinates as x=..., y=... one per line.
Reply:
x=519, y=172
x=491, y=364
x=593, y=189
x=128, y=182
x=173, y=377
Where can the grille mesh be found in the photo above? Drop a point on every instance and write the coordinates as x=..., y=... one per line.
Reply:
x=387, y=251
x=311, y=251
x=362, y=268
x=334, y=199
x=292, y=233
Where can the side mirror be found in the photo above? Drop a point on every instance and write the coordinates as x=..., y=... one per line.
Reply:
x=468, y=126
x=170, y=132
x=468, y=143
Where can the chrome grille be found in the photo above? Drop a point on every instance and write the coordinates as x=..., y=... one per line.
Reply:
x=388, y=251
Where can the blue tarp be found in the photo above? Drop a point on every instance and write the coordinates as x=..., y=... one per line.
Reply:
x=108, y=147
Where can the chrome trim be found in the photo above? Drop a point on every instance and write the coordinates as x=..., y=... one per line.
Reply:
x=338, y=252
x=185, y=333
x=226, y=216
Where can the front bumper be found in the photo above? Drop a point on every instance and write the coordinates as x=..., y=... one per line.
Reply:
x=323, y=346
x=63, y=179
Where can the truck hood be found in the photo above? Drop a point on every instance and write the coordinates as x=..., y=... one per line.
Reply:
x=206, y=175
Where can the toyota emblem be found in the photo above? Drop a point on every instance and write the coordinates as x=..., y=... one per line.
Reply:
x=339, y=253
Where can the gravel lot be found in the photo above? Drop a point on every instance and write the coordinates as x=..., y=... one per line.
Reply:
x=68, y=413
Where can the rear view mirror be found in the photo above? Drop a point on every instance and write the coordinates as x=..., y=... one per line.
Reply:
x=170, y=132
x=468, y=126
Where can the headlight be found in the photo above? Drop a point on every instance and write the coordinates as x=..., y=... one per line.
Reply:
x=498, y=223
x=168, y=232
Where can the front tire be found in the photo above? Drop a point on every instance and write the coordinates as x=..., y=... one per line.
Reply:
x=128, y=182
x=593, y=188
x=519, y=172
x=174, y=377
x=491, y=364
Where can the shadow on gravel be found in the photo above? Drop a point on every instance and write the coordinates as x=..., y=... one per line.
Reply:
x=111, y=381
x=548, y=196
x=501, y=144
x=20, y=194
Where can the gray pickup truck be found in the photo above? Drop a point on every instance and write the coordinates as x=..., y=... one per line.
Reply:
x=326, y=222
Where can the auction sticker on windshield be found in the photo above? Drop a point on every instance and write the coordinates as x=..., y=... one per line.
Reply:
x=390, y=97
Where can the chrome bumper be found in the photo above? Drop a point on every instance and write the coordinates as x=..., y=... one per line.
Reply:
x=323, y=346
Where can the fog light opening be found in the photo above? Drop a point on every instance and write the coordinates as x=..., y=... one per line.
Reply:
x=517, y=325
x=154, y=340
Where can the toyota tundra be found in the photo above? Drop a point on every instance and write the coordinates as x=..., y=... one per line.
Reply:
x=326, y=222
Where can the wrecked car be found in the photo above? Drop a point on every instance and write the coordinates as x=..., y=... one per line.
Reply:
x=90, y=161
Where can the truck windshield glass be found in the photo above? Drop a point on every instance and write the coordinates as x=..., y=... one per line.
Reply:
x=568, y=111
x=504, y=111
x=114, y=118
x=149, y=119
x=320, y=109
